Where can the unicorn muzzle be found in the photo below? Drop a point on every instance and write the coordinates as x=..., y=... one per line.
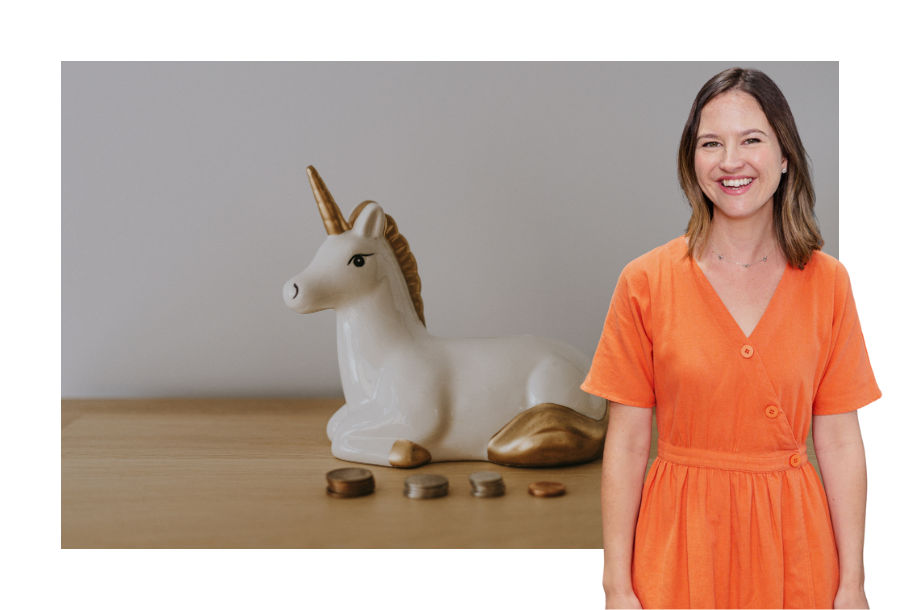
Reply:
x=306, y=295
x=295, y=297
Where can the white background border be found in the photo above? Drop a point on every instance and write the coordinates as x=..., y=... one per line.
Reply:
x=40, y=35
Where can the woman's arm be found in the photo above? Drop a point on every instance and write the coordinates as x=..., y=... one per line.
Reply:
x=842, y=461
x=624, y=464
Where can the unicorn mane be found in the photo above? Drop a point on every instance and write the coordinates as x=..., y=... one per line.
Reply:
x=404, y=257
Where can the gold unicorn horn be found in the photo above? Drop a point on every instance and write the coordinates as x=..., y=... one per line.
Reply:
x=331, y=213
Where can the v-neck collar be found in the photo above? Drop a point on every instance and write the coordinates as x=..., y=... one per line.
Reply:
x=717, y=306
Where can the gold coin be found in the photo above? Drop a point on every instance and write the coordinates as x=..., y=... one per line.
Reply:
x=546, y=489
x=350, y=482
x=349, y=474
x=351, y=494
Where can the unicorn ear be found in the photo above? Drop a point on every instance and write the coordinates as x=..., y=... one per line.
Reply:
x=370, y=222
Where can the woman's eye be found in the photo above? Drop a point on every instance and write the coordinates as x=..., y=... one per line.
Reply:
x=751, y=140
x=709, y=144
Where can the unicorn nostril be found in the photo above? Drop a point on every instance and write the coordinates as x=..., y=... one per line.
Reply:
x=296, y=291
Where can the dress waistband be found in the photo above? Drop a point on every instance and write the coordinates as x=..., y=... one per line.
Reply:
x=721, y=460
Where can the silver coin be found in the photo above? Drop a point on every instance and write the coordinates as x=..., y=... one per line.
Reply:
x=485, y=477
x=423, y=481
x=425, y=486
x=487, y=484
x=430, y=492
x=491, y=485
x=437, y=492
x=422, y=488
x=489, y=493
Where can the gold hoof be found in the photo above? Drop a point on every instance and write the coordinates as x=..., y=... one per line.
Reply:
x=549, y=435
x=407, y=454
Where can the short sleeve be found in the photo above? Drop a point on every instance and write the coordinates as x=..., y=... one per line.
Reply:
x=848, y=382
x=622, y=369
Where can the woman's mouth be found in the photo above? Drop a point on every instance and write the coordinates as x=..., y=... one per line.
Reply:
x=736, y=186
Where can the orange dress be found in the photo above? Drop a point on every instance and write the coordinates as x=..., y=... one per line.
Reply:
x=732, y=514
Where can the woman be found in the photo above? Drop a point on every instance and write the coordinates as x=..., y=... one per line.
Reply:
x=742, y=334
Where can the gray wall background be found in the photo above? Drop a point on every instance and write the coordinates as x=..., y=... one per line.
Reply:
x=523, y=189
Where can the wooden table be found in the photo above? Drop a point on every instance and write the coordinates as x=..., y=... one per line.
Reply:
x=215, y=473
x=251, y=473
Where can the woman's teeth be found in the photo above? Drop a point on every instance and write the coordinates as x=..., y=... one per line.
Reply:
x=737, y=183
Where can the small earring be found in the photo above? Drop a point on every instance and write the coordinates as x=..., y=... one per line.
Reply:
x=783, y=170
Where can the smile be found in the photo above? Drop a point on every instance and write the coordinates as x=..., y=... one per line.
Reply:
x=736, y=186
x=737, y=183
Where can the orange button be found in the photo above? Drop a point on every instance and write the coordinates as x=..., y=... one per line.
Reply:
x=747, y=351
x=772, y=411
x=795, y=460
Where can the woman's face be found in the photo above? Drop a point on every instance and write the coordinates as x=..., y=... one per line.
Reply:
x=738, y=160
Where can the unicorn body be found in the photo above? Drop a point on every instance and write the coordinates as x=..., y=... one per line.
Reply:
x=412, y=397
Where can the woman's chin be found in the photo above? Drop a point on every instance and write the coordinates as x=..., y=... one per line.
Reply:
x=735, y=210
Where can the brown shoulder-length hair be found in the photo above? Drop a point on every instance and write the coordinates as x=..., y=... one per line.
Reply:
x=796, y=228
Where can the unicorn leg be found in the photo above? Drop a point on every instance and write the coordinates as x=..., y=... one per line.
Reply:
x=335, y=421
x=407, y=454
x=548, y=435
x=383, y=446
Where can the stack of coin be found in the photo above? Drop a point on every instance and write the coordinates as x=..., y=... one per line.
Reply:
x=487, y=484
x=425, y=486
x=546, y=489
x=350, y=482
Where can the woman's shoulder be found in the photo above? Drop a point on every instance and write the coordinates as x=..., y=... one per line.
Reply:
x=657, y=260
x=824, y=267
x=826, y=276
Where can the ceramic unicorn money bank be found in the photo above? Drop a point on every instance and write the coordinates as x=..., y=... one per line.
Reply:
x=411, y=397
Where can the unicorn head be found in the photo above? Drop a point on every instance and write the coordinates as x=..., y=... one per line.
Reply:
x=359, y=257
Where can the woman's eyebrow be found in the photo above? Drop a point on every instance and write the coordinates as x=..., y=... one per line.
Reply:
x=742, y=134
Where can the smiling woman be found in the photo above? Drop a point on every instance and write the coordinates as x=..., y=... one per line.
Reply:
x=742, y=334
x=738, y=169
x=741, y=123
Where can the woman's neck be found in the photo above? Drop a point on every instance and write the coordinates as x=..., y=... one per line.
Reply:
x=743, y=239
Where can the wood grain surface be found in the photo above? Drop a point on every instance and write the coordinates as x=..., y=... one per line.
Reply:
x=239, y=473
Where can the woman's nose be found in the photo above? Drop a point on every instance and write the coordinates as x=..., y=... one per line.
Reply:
x=731, y=159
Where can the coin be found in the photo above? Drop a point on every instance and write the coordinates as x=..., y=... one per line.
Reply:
x=487, y=484
x=546, y=489
x=425, y=486
x=354, y=494
x=350, y=482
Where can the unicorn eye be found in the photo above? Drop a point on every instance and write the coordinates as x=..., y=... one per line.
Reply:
x=358, y=259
